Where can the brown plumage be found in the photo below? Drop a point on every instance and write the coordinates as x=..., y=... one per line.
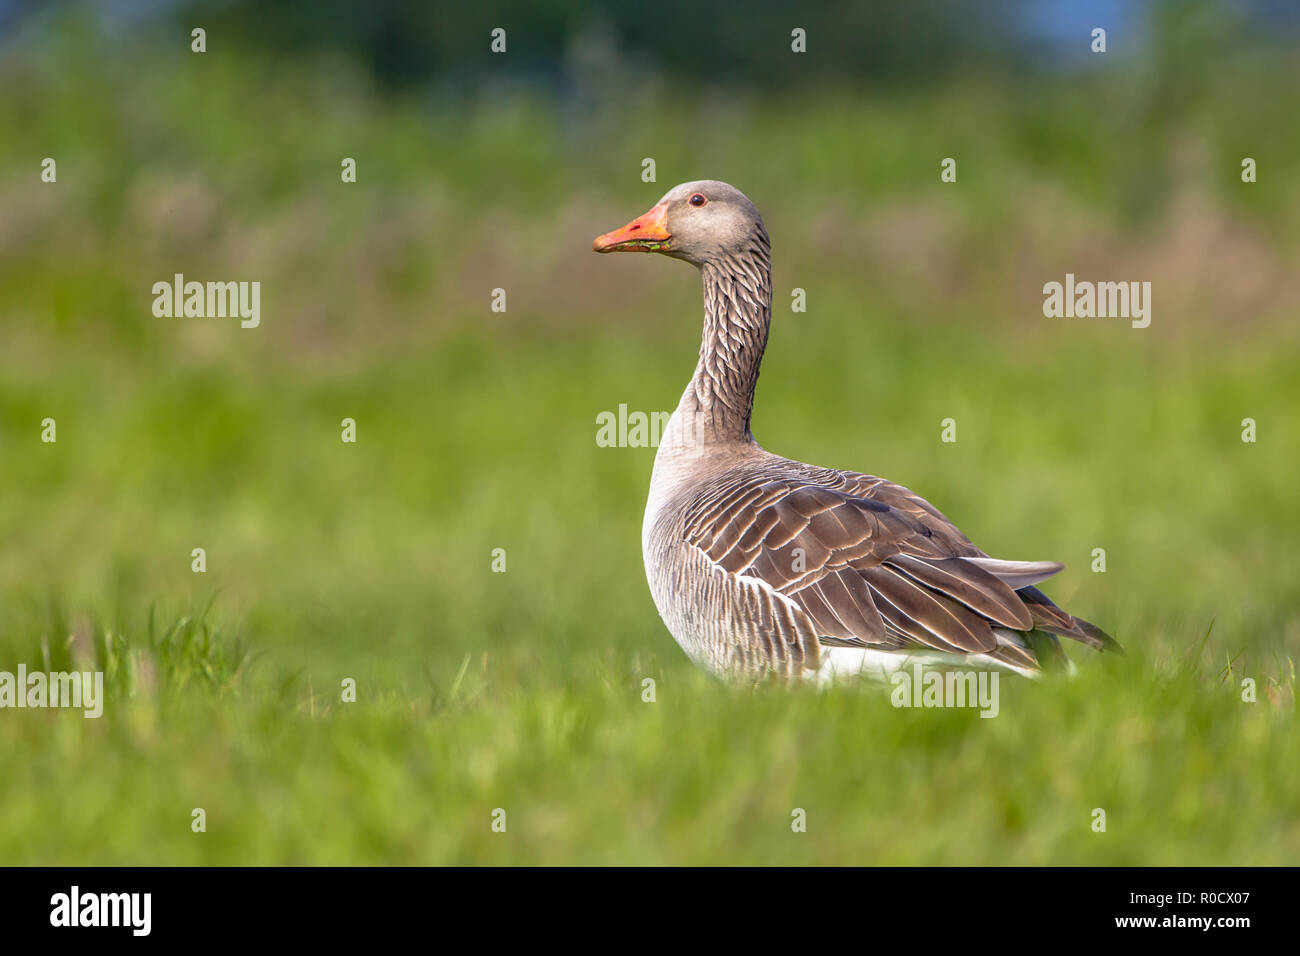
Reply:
x=759, y=564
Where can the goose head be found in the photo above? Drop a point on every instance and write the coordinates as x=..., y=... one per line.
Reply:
x=702, y=222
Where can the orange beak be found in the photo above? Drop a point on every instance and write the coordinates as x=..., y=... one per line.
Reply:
x=647, y=233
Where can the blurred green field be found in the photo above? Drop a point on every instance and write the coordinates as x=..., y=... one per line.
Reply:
x=476, y=431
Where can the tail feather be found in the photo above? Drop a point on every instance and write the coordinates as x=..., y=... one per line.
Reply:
x=1048, y=617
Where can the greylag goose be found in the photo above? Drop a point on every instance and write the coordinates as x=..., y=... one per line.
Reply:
x=760, y=565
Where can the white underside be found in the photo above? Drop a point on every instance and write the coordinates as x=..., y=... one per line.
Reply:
x=854, y=663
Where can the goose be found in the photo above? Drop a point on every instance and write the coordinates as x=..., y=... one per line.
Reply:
x=763, y=567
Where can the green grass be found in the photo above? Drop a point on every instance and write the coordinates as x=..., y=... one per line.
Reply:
x=589, y=773
x=476, y=430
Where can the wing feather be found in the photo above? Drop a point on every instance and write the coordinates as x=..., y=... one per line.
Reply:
x=871, y=564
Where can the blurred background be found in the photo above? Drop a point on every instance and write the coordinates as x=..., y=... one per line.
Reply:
x=476, y=429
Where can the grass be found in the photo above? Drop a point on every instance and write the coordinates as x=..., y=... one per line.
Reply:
x=589, y=773
x=476, y=431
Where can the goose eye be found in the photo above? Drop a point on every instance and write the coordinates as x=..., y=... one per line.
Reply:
x=697, y=199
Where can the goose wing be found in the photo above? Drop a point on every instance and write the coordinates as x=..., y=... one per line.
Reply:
x=872, y=564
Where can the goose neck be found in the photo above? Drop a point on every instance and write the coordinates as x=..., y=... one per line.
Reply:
x=737, y=315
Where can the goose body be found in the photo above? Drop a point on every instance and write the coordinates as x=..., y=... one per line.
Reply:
x=760, y=565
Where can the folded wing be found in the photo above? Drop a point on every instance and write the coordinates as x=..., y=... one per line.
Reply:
x=873, y=565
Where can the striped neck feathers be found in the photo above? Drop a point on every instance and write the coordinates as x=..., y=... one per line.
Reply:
x=737, y=315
